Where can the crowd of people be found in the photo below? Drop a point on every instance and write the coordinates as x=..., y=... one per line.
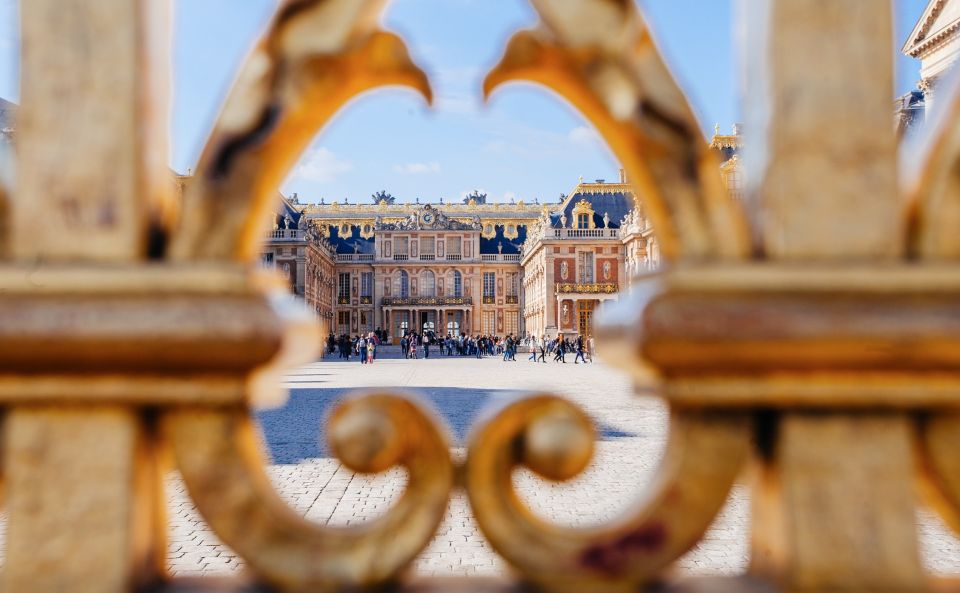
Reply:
x=413, y=344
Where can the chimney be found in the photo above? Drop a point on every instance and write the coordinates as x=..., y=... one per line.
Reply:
x=623, y=176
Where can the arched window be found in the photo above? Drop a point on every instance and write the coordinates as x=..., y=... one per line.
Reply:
x=428, y=284
x=457, y=284
x=404, y=284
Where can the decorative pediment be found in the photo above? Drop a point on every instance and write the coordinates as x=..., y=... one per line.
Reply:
x=428, y=218
x=940, y=19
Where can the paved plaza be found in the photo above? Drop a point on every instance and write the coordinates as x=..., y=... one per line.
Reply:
x=632, y=432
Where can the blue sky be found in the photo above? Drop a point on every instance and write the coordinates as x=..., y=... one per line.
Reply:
x=525, y=144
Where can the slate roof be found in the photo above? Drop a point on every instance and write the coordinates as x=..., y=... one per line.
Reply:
x=510, y=246
x=352, y=243
x=286, y=210
x=614, y=203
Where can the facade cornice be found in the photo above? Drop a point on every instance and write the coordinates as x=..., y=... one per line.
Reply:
x=942, y=38
x=919, y=38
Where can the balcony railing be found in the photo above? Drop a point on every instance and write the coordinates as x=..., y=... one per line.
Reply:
x=454, y=257
x=427, y=257
x=343, y=300
x=512, y=300
x=354, y=257
x=285, y=234
x=366, y=300
x=587, y=288
x=586, y=233
x=489, y=300
x=400, y=257
x=498, y=257
x=426, y=301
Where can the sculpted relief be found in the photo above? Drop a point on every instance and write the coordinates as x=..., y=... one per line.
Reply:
x=564, y=270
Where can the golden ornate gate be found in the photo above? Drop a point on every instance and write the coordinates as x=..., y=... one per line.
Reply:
x=808, y=333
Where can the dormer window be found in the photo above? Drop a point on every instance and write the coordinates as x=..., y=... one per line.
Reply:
x=583, y=221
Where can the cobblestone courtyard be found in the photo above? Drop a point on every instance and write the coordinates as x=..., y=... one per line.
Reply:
x=632, y=432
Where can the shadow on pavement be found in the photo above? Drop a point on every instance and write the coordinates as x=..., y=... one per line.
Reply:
x=297, y=431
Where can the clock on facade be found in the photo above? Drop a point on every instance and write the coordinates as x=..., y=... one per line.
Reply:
x=428, y=218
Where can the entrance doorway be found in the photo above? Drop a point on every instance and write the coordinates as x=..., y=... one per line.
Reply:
x=454, y=321
x=403, y=325
x=585, y=318
x=428, y=321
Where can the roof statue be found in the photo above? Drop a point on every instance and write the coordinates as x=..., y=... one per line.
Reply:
x=383, y=196
x=476, y=197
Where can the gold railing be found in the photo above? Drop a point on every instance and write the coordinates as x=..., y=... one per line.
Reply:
x=586, y=288
x=426, y=301
x=813, y=338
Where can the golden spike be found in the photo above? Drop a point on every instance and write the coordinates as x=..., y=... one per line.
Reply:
x=316, y=57
x=599, y=55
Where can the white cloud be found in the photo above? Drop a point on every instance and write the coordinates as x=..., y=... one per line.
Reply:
x=322, y=166
x=457, y=89
x=417, y=168
x=584, y=136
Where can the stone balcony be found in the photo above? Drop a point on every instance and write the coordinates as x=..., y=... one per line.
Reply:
x=427, y=301
x=564, y=233
x=289, y=234
x=586, y=288
x=354, y=257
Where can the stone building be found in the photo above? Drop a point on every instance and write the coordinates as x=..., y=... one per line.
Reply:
x=472, y=266
x=935, y=41
x=450, y=268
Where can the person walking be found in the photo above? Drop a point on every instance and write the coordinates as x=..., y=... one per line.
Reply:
x=561, y=353
x=371, y=348
x=361, y=349
x=534, y=349
x=405, y=346
x=426, y=345
x=542, y=343
x=579, y=348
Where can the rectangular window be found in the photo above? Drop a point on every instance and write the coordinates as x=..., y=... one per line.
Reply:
x=512, y=285
x=585, y=267
x=401, y=246
x=267, y=259
x=510, y=323
x=343, y=290
x=428, y=245
x=343, y=322
x=489, y=285
x=366, y=284
x=453, y=245
x=489, y=323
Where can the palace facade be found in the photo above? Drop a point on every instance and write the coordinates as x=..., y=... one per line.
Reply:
x=471, y=267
